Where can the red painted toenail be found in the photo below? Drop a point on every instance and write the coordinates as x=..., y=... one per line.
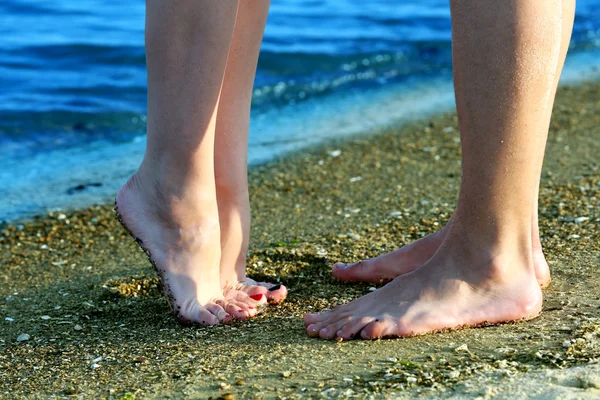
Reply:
x=257, y=297
x=227, y=317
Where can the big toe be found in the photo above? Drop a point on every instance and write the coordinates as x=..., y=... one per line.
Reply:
x=362, y=271
x=273, y=293
x=276, y=294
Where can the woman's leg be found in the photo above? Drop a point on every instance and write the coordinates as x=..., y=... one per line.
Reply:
x=170, y=203
x=408, y=258
x=505, y=57
x=231, y=148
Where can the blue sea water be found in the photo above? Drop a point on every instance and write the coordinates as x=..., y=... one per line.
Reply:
x=73, y=85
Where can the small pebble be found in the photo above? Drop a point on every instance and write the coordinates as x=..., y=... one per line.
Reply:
x=411, y=379
x=335, y=153
x=70, y=391
x=462, y=347
x=77, y=327
x=23, y=337
x=9, y=319
x=453, y=374
x=45, y=317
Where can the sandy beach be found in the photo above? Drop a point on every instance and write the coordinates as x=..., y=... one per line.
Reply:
x=81, y=315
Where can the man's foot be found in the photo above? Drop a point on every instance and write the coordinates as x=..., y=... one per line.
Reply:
x=179, y=230
x=453, y=289
x=388, y=266
x=234, y=216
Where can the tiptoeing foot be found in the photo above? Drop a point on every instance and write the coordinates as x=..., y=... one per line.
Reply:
x=178, y=228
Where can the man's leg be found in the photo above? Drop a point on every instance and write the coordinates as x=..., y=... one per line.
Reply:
x=408, y=258
x=170, y=203
x=505, y=57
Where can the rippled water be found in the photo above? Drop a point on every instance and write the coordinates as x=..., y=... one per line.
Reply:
x=73, y=98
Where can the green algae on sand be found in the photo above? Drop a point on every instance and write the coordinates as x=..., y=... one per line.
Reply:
x=97, y=326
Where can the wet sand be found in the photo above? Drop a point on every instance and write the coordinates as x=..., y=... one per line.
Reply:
x=81, y=316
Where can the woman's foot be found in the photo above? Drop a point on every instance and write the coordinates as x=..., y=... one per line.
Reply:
x=457, y=287
x=178, y=227
x=234, y=216
x=388, y=266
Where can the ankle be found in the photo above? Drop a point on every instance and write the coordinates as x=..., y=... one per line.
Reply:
x=170, y=201
x=490, y=257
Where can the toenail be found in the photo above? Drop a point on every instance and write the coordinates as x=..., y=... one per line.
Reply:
x=257, y=297
x=276, y=287
x=340, y=266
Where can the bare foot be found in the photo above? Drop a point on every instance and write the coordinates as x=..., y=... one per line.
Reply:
x=388, y=266
x=179, y=230
x=453, y=289
x=234, y=216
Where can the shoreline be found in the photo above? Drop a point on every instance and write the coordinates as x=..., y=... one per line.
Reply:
x=98, y=327
x=59, y=178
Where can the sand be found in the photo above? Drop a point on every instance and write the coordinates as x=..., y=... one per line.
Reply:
x=81, y=316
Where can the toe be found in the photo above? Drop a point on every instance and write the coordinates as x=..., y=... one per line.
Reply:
x=386, y=328
x=205, y=317
x=219, y=312
x=330, y=331
x=276, y=294
x=245, y=307
x=350, y=330
x=315, y=322
x=233, y=309
x=193, y=313
x=311, y=319
x=362, y=271
x=252, y=301
x=252, y=289
x=313, y=330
